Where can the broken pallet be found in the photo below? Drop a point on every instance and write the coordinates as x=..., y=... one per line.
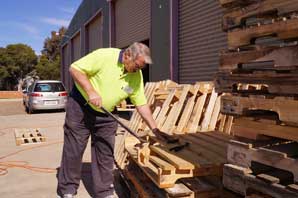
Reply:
x=246, y=182
x=287, y=109
x=279, y=154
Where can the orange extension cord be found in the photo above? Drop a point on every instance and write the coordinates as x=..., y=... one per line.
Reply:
x=5, y=165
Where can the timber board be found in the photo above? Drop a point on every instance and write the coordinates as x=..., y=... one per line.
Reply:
x=266, y=8
x=282, y=29
x=244, y=181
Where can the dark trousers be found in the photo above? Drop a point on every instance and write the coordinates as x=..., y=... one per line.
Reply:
x=79, y=124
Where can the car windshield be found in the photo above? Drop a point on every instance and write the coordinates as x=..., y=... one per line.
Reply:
x=49, y=87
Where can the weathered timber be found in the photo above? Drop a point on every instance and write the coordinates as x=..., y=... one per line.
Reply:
x=275, y=8
x=253, y=128
x=282, y=29
x=244, y=154
x=287, y=109
x=278, y=81
x=242, y=180
x=280, y=56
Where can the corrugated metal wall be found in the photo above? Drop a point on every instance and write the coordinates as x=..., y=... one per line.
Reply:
x=200, y=38
x=94, y=34
x=76, y=47
x=65, y=65
x=132, y=21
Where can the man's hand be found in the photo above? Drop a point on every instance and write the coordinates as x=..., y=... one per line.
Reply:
x=95, y=99
x=164, y=136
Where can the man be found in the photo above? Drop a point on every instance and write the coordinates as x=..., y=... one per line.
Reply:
x=103, y=78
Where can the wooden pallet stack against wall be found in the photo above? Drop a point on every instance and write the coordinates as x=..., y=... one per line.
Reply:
x=258, y=78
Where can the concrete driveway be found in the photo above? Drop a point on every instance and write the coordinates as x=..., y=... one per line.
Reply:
x=29, y=171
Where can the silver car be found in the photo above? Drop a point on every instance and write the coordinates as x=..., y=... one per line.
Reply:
x=44, y=95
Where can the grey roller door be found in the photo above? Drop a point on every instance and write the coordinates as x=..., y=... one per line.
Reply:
x=94, y=33
x=65, y=66
x=200, y=38
x=76, y=47
x=132, y=21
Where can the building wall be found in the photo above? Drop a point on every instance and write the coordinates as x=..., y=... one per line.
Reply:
x=85, y=22
x=200, y=38
x=185, y=36
x=160, y=40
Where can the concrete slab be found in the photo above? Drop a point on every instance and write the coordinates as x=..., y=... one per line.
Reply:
x=20, y=181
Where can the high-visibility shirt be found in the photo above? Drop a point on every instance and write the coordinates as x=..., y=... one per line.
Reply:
x=108, y=77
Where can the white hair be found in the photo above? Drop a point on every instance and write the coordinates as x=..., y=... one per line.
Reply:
x=139, y=49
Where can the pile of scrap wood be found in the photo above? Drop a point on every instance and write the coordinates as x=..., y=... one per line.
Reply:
x=259, y=77
x=192, y=114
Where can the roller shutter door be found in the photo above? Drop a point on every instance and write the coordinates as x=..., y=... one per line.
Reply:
x=65, y=66
x=200, y=38
x=94, y=34
x=132, y=21
x=76, y=47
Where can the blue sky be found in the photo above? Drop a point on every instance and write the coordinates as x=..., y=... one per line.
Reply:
x=31, y=21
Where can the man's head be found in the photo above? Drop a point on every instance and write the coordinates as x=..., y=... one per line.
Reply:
x=136, y=56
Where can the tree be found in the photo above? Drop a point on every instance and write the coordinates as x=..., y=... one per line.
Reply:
x=49, y=63
x=16, y=60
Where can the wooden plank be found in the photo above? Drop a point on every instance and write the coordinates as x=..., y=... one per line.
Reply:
x=245, y=156
x=253, y=128
x=215, y=115
x=275, y=82
x=285, y=108
x=196, y=114
x=161, y=163
x=175, y=112
x=173, y=159
x=228, y=125
x=208, y=113
x=239, y=179
x=268, y=178
x=179, y=190
x=181, y=127
x=283, y=29
x=237, y=17
x=280, y=56
x=165, y=107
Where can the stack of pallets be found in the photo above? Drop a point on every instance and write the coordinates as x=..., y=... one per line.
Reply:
x=190, y=113
x=259, y=78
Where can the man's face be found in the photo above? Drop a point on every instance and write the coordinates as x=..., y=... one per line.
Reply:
x=135, y=65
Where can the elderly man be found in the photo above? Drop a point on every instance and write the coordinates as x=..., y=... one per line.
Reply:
x=102, y=78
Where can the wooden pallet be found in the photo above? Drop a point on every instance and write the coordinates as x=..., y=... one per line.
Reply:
x=185, y=188
x=278, y=80
x=247, y=182
x=28, y=136
x=279, y=56
x=204, y=155
x=287, y=109
x=258, y=128
x=119, y=151
x=282, y=29
x=266, y=8
x=235, y=3
x=279, y=154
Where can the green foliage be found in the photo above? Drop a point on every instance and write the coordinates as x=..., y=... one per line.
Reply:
x=16, y=60
x=48, y=67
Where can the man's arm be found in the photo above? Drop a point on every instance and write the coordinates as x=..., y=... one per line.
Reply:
x=82, y=79
x=146, y=114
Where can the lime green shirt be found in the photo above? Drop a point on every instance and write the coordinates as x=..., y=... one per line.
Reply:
x=107, y=77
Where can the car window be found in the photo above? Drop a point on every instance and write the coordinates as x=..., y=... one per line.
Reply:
x=49, y=87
